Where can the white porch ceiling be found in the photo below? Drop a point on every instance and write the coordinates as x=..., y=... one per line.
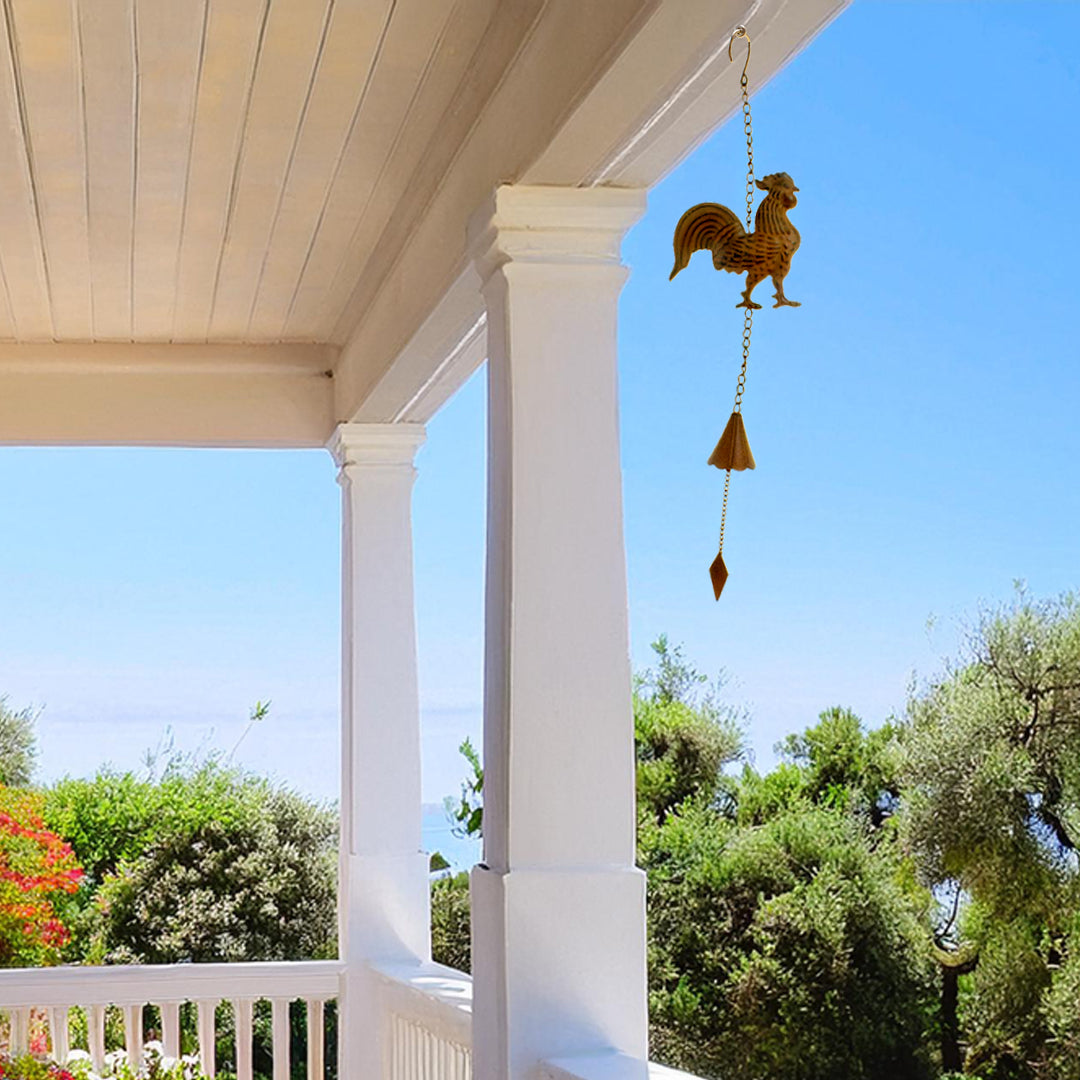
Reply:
x=301, y=172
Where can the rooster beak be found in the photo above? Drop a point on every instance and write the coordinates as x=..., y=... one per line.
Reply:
x=794, y=189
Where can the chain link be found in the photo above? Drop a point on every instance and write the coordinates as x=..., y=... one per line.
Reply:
x=748, y=318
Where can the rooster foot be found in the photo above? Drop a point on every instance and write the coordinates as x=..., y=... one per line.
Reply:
x=782, y=301
x=747, y=303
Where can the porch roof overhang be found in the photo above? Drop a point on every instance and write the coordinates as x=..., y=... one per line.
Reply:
x=240, y=222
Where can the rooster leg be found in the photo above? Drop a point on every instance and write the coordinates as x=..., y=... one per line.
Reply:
x=751, y=281
x=781, y=299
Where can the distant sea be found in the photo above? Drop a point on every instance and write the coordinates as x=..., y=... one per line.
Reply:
x=438, y=836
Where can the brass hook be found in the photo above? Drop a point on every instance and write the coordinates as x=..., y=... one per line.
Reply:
x=740, y=32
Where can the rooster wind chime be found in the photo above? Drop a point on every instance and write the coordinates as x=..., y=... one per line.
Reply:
x=764, y=252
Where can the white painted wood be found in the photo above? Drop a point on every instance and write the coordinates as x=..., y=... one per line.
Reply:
x=169, y=48
x=170, y=1027
x=244, y=1010
x=165, y=395
x=22, y=257
x=417, y=385
x=353, y=36
x=133, y=1034
x=558, y=905
x=95, y=1036
x=207, y=1032
x=234, y=31
x=19, y=1020
x=49, y=65
x=400, y=85
x=107, y=50
x=59, y=1033
x=383, y=898
x=316, y=1039
x=279, y=1022
x=291, y=46
x=166, y=984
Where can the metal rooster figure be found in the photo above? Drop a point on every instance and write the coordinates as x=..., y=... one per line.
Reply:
x=765, y=252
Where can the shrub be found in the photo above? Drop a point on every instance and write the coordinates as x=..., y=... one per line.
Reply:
x=261, y=886
x=450, y=941
x=37, y=872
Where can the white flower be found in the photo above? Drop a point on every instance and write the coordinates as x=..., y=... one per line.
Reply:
x=77, y=1055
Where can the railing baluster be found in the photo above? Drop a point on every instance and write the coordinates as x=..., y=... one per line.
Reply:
x=279, y=1016
x=170, y=1028
x=244, y=1011
x=20, y=1031
x=95, y=1036
x=207, y=1037
x=59, y=1033
x=316, y=1036
x=133, y=1034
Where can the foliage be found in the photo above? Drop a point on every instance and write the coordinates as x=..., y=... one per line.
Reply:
x=681, y=744
x=27, y=1067
x=38, y=872
x=991, y=782
x=17, y=746
x=467, y=812
x=114, y=817
x=260, y=886
x=450, y=933
x=789, y=950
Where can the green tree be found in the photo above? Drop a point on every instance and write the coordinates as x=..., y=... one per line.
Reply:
x=18, y=746
x=794, y=950
x=683, y=739
x=992, y=818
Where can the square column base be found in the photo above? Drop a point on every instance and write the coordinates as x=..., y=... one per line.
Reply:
x=558, y=956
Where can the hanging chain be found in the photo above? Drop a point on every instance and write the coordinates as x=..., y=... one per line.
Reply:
x=748, y=318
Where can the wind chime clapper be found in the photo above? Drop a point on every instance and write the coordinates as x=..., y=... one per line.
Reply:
x=763, y=252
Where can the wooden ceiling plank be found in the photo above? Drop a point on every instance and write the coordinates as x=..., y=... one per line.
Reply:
x=233, y=34
x=107, y=46
x=406, y=64
x=48, y=64
x=22, y=256
x=169, y=37
x=353, y=38
x=501, y=52
x=450, y=64
x=290, y=54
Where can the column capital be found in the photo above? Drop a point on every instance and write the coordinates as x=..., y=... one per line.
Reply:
x=561, y=225
x=375, y=444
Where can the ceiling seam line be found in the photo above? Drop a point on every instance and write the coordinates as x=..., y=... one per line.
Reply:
x=315, y=68
x=28, y=151
x=340, y=159
x=187, y=171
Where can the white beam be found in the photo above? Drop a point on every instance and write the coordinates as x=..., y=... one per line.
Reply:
x=126, y=394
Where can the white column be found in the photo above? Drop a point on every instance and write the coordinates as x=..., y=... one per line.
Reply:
x=558, y=905
x=383, y=892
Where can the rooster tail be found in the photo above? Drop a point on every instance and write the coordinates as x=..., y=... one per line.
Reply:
x=705, y=227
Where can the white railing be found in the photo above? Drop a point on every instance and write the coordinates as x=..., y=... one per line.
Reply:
x=54, y=992
x=427, y=1022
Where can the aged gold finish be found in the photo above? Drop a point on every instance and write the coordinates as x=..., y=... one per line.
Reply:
x=766, y=251
x=718, y=575
x=733, y=449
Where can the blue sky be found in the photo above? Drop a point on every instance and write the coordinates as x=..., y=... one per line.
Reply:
x=915, y=425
